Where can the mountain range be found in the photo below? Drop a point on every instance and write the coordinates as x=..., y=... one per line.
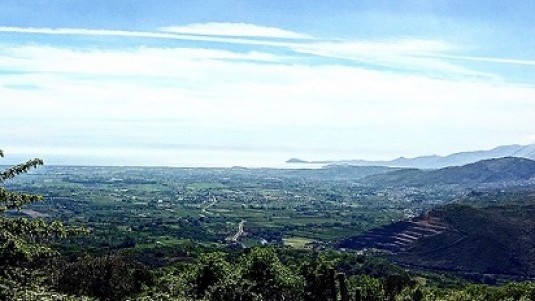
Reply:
x=508, y=170
x=435, y=162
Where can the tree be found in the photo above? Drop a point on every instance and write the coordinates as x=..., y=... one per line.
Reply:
x=106, y=277
x=270, y=279
x=371, y=288
x=21, y=239
x=211, y=269
x=319, y=284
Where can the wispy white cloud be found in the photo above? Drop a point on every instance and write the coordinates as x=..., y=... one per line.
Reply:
x=235, y=30
x=139, y=34
x=496, y=60
x=402, y=46
x=84, y=31
x=262, y=98
x=425, y=56
x=177, y=83
x=431, y=57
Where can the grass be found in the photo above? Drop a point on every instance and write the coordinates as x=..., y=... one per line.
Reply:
x=296, y=242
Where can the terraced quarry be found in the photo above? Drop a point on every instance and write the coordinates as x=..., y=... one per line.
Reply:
x=398, y=236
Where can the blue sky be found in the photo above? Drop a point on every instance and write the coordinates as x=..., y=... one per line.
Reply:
x=222, y=83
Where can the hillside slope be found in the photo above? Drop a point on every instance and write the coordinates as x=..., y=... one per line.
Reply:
x=491, y=240
x=463, y=158
x=502, y=170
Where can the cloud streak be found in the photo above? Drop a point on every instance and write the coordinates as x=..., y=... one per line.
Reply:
x=139, y=34
x=432, y=57
x=235, y=30
x=495, y=60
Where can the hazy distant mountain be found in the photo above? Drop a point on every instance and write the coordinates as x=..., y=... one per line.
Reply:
x=296, y=160
x=434, y=162
x=501, y=170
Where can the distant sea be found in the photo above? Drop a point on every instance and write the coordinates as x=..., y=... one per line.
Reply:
x=166, y=157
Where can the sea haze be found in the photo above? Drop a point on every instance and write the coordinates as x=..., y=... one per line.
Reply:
x=162, y=157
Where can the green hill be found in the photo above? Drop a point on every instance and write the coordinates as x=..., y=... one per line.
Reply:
x=492, y=240
x=503, y=170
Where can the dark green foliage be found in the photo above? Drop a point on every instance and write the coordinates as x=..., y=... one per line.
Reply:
x=23, y=248
x=318, y=283
x=233, y=288
x=491, y=240
x=394, y=284
x=509, y=292
x=257, y=275
x=211, y=269
x=371, y=288
x=269, y=277
x=19, y=237
x=417, y=295
x=11, y=200
x=106, y=278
